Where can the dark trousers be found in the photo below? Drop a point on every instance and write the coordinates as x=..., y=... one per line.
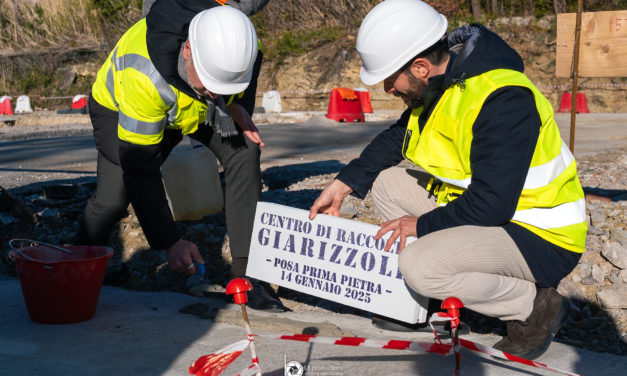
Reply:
x=238, y=155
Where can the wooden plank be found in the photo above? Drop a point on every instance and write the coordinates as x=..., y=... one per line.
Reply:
x=603, y=48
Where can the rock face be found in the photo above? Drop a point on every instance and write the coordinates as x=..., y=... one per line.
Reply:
x=337, y=64
x=597, y=287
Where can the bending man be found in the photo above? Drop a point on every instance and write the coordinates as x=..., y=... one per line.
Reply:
x=189, y=68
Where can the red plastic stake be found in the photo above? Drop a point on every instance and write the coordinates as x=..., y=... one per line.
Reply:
x=238, y=288
x=452, y=306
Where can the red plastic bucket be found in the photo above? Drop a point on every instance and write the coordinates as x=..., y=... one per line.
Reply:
x=61, y=287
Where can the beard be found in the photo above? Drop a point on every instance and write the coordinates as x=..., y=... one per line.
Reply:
x=414, y=97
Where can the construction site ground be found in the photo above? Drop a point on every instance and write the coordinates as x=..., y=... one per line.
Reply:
x=158, y=332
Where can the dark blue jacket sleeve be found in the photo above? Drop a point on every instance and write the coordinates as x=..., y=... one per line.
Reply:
x=504, y=138
x=384, y=151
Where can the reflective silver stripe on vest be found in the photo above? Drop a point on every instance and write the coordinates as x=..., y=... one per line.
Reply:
x=140, y=127
x=458, y=183
x=172, y=113
x=538, y=176
x=145, y=66
x=570, y=213
x=109, y=79
x=542, y=175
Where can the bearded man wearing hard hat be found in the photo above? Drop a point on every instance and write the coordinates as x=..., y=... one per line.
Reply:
x=189, y=68
x=499, y=214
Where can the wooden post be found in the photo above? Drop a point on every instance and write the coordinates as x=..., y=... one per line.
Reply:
x=574, y=72
x=249, y=331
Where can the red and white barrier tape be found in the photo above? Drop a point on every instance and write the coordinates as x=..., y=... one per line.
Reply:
x=437, y=348
x=444, y=317
x=376, y=90
x=503, y=355
x=214, y=363
x=429, y=347
x=379, y=90
x=252, y=369
x=253, y=353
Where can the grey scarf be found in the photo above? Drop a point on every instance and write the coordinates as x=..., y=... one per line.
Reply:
x=217, y=114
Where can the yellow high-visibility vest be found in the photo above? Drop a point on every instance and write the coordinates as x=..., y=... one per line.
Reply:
x=129, y=84
x=551, y=204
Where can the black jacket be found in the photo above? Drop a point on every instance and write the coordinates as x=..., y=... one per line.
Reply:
x=167, y=29
x=505, y=134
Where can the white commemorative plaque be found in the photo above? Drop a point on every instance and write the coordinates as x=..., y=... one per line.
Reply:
x=332, y=258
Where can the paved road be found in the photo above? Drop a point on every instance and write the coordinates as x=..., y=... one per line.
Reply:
x=45, y=158
x=144, y=334
x=53, y=156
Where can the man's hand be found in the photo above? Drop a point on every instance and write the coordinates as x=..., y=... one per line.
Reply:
x=242, y=118
x=330, y=200
x=182, y=256
x=404, y=226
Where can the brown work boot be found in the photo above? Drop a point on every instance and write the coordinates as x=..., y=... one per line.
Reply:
x=531, y=338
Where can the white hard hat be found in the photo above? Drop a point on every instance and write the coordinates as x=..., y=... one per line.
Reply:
x=393, y=33
x=223, y=43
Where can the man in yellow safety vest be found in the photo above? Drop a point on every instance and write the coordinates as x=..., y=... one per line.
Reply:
x=190, y=68
x=498, y=210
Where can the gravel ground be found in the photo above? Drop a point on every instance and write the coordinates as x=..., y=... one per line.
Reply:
x=47, y=208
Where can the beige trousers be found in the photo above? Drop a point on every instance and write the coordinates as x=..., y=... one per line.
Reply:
x=482, y=266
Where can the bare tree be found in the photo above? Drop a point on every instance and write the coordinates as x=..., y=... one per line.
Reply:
x=477, y=12
x=559, y=6
x=495, y=8
x=532, y=8
x=16, y=23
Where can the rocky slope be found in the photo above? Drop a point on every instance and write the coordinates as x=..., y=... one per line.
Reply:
x=305, y=80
